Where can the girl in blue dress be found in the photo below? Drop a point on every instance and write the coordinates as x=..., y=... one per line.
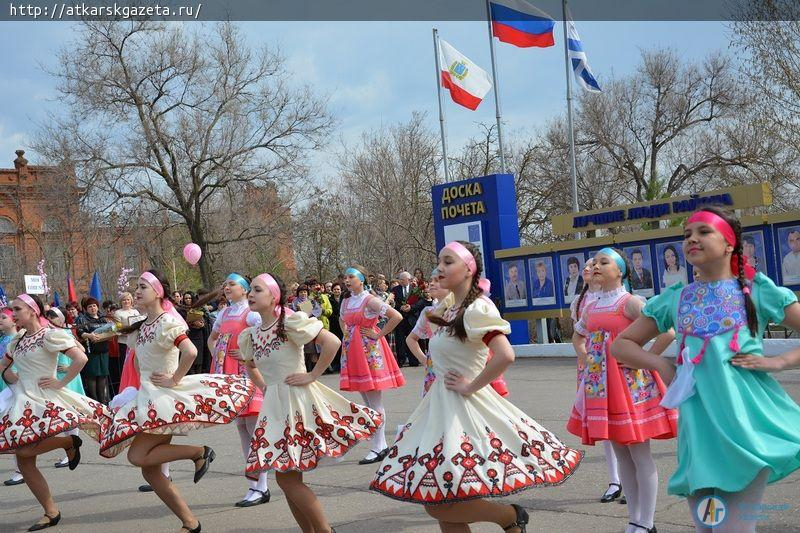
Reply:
x=738, y=429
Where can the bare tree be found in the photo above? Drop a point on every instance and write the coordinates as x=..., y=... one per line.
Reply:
x=165, y=118
x=385, y=204
x=766, y=35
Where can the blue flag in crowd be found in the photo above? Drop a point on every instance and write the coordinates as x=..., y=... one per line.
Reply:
x=94, y=289
x=56, y=299
x=577, y=56
x=3, y=297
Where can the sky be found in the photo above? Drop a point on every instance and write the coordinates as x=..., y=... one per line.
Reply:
x=374, y=73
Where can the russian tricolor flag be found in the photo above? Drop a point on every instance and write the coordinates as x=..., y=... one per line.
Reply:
x=519, y=23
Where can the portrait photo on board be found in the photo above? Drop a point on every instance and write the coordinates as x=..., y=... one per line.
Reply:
x=641, y=269
x=514, y=284
x=572, y=280
x=754, y=250
x=671, y=264
x=789, y=254
x=542, y=287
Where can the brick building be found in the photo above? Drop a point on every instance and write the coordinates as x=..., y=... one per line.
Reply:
x=41, y=217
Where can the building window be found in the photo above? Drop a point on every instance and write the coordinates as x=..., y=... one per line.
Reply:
x=8, y=266
x=51, y=225
x=7, y=226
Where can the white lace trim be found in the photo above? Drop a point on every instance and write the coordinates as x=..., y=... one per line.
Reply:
x=610, y=298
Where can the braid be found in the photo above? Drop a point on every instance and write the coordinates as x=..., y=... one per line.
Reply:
x=582, y=295
x=280, y=329
x=749, y=306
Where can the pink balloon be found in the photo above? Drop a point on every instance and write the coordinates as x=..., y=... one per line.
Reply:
x=192, y=253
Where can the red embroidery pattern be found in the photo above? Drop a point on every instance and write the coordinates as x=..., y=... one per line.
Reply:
x=431, y=477
x=40, y=421
x=264, y=346
x=300, y=448
x=29, y=343
x=229, y=395
x=147, y=333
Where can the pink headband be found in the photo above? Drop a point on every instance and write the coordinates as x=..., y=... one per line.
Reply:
x=166, y=304
x=8, y=312
x=153, y=281
x=273, y=288
x=27, y=300
x=461, y=251
x=719, y=224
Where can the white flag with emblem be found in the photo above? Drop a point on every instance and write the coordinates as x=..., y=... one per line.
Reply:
x=467, y=82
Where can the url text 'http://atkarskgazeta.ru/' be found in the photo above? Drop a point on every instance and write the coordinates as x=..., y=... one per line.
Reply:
x=80, y=10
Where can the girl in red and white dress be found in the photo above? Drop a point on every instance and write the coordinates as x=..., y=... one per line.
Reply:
x=40, y=408
x=301, y=420
x=465, y=442
x=615, y=403
x=168, y=401
x=368, y=364
x=226, y=359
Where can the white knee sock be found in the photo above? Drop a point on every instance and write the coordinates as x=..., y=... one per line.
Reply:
x=165, y=469
x=611, y=462
x=627, y=473
x=246, y=426
x=374, y=400
x=647, y=482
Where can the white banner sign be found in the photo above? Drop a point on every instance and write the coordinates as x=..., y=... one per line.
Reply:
x=34, y=285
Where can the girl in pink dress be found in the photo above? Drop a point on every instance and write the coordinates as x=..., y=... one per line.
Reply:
x=616, y=403
x=368, y=364
x=226, y=359
x=590, y=293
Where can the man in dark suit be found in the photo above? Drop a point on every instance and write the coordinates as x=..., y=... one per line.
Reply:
x=641, y=278
x=401, y=294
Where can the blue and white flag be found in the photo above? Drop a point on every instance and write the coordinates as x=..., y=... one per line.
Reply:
x=580, y=65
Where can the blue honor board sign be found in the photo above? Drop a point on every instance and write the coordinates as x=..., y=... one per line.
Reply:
x=483, y=211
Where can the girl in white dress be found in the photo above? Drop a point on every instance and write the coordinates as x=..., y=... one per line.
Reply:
x=168, y=401
x=301, y=420
x=465, y=442
x=40, y=409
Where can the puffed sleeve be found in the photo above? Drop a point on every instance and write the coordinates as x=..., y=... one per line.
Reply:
x=246, y=344
x=770, y=300
x=253, y=319
x=422, y=328
x=481, y=318
x=301, y=328
x=169, y=332
x=662, y=308
x=58, y=340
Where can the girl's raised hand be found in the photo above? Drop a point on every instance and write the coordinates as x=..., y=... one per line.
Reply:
x=758, y=362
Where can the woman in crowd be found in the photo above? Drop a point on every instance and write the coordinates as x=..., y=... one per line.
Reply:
x=336, y=328
x=95, y=373
x=198, y=320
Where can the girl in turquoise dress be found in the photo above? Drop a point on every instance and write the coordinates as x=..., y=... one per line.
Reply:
x=738, y=429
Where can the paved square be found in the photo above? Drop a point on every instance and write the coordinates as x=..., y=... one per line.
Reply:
x=101, y=496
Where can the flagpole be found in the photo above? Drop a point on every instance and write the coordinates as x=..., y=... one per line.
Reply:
x=570, y=127
x=442, y=124
x=496, y=89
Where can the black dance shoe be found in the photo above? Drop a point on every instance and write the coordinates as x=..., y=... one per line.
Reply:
x=208, y=456
x=76, y=459
x=609, y=495
x=521, y=521
x=258, y=501
x=51, y=521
